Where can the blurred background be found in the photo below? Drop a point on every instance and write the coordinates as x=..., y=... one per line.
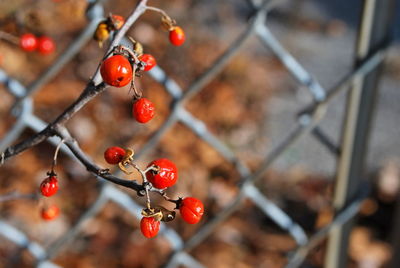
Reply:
x=250, y=105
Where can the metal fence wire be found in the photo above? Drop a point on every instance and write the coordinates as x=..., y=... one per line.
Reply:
x=360, y=83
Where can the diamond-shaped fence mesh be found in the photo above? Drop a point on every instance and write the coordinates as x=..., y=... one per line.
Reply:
x=306, y=124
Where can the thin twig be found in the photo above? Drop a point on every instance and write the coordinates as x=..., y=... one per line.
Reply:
x=72, y=144
x=139, y=10
x=94, y=87
x=162, y=12
x=56, y=154
x=145, y=183
x=9, y=37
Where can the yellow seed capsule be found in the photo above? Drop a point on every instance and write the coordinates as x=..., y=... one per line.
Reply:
x=138, y=48
x=101, y=34
x=167, y=215
x=159, y=213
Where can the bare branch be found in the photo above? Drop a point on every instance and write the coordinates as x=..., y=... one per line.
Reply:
x=88, y=94
x=94, y=87
x=73, y=145
x=27, y=143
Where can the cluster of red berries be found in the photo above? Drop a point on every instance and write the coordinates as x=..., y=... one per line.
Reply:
x=161, y=174
x=49, y=187
x=191, y=210
x=120, y=69
x=44, y=44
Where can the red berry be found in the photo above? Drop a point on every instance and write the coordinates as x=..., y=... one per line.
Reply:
x=50, y=213
x=143, y=110
x=28, y=42
x=49, y=186
x=46, y=45
x=149, y=60
x=165, y=176
x=149, y=227
x=118, y=21
x=191, y=210
x=177, y=36
x=114, y=155
x=116, y=71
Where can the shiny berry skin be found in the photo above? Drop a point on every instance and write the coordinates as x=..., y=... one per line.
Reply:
x=46, y=45
x=149, y=227
x=166, y=176
x=149, y=60
x=114, y=155
x=116, y=71
x=49, y=186
x=28, y=42
x=143, y=110
x=191, y=210
x=177, y=36
x=50, y=213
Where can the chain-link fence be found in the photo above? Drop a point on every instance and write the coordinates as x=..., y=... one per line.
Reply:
x=373, y=37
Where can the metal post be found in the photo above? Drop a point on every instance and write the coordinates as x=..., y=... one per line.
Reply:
x=374, y=32
x=395, y=237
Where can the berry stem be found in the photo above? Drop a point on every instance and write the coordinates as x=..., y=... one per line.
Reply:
x=74, y=147
x=146, y=183
x=122, y=49
x=169, y=199
x=137, y=93
x=151, y=168
x=166, y=20
x=159, y=10
x=9, y=37
x=56, y=155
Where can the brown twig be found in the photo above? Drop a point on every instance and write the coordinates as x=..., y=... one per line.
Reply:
x=94, y=87
x=89, y=164
x=57, y=127
x=9, y=37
